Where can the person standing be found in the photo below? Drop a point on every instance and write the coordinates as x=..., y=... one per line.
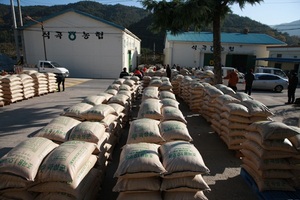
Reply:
x=138, y=73
x=293, y=83
x=168, y=70
x=124, y=73
x=249, y=77
x=60, y=79
x=233, y=79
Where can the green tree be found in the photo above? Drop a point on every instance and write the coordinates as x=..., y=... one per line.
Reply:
x=180, y=15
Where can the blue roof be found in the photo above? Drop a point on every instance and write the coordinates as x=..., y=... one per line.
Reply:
x=78, y=12
x=240, y=38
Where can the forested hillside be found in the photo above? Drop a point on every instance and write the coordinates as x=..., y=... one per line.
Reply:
x=137, y=20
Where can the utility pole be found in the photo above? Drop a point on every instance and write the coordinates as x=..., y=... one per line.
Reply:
x=15, y=29
x=21, y=33
x=43, y=34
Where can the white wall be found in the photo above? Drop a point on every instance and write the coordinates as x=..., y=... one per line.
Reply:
x=86, y=58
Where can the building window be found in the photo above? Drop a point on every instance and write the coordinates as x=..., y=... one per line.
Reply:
x=279, y=55
x=277, y=65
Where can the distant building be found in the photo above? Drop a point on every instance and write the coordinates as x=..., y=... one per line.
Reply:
x=88, y=46
x=286, y=58
x=239, y=50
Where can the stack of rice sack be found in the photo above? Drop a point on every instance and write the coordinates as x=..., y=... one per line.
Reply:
x=211, y=92
x=1, y=95
x=196, y=97
x=28, y=85
x=176, y=82
x=68, y=172
x=12, y=88
x=184, y=88
x=270, y=156
x=160, y=131
x=205, y=76
x=166, y=85
x=51, y=80
x=40, y=83
x=20, y=166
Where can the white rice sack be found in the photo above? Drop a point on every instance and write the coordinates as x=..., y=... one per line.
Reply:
x=106, y=95
x=181, y=158
x=144, y=130
x=111, y=91
x=125, y=87
x=137, y=184
x=139, y=160
x=242, y=96
x=225, y=89
x=185, y=184
x=257, y=108
x=98, y=112
x=236, y=109
x=129, y=82
x=170, y=102
x=150, y=92
x=54, y=195
x=121, y=99
x=174, y=130
x=58, y=128
x=113, y=86
x=76, y=110
x=155, y=82
x=66, y=187
x=185, y=196
x=24, y=159
x=94, y=100
x=119, y=81
x=117, y=107
x=165, y=86
x=295, y=140
x=167, y=94
x=150, y=108
x=213, y=91
x=108, y=120
x=139, y=196
x=64, y=163
x=20, y=195
x=10, y=181
x=224, y=99
x=171, y=113
x=272, y=130
x=87, y=131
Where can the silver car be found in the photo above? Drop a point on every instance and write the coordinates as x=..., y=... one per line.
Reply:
x=266, y=81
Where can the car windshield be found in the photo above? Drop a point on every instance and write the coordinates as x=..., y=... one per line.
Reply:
x=55, y=64
x=280, y=73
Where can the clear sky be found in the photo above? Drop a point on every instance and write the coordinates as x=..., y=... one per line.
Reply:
x=269, y=12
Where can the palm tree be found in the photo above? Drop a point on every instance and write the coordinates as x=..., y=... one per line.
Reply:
x=178, y=16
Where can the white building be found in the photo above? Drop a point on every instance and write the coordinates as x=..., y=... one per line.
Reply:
x=239, y=50
x=88, y=46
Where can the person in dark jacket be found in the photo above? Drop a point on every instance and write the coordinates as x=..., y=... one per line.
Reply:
x=249, y=77
x=60, y=79
x=168, y=71
x=293, y=83
x=124, y=73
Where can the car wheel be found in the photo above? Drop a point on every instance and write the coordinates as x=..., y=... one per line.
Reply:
x=278, y=88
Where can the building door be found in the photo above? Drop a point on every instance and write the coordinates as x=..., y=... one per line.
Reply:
x=130, y=61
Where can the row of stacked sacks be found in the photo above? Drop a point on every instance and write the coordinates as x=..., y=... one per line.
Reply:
x=67, y=158
x=270, y=149
x=28, y=84
x=272, y=156
x=158, y=160
x=163, y=83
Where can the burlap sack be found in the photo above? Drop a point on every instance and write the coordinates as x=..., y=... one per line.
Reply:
x=174, y=130
x=113, y=86
x=25, y=159
x=76, y=110
x=181, y=158
x=87, y=131
x=185, y=184
x=137, y=184
x=64, y=163
x=58, y=128
x=67, y=187
x=139, y=160
x=170, y=102
x=94, y=100
x=171, y=113
x=111, y=91
x=144, y=130
x=236, y=109
x=98, y=112
x=121, y=99
x=119, y=81
x=150, y=108
x=167, y=95
x=257, y=108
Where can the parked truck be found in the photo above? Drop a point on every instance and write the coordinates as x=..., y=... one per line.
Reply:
x=53, y=67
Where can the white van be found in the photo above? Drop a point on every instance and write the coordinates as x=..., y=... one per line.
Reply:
x=271, y=70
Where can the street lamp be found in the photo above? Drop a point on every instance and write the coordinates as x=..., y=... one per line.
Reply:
x=43, y=33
